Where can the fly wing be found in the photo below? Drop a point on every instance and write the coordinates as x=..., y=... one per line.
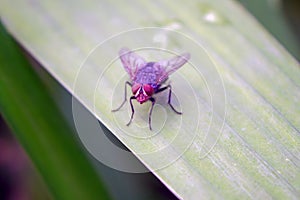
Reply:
x=167, y=67
x=131, y=62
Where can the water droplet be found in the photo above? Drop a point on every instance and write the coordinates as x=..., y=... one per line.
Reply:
x=211, y=15
x=160, y=38
x=163, y=36
x=173, y=25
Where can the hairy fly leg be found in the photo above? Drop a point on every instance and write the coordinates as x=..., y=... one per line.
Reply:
x=125, y=98
x=132, y=110
x=170, y=96
x=150, y=113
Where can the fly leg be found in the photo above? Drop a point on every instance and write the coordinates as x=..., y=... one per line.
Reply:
x=132, y=110
x=170, y=96
x=150, y=113
x=125, y=98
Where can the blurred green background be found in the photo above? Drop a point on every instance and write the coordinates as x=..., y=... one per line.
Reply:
x=19, y=179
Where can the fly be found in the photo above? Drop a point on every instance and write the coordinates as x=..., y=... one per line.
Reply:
x=147, y=78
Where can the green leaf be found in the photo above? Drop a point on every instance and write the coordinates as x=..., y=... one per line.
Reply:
x=238, y=72
x=41, y=129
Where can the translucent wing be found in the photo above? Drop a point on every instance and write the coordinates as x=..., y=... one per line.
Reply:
x=131, y=62
x=167, y=67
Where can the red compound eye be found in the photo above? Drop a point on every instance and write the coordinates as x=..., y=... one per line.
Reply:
x=148, y=89
x=135, y=88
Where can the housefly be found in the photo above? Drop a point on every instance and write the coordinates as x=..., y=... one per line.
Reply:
x=148, y=78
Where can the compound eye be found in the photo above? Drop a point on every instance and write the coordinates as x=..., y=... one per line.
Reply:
x=135, y=88
x=148, y=89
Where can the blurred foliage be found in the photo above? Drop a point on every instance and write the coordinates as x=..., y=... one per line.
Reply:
x=37, y=123
x=281, y=18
